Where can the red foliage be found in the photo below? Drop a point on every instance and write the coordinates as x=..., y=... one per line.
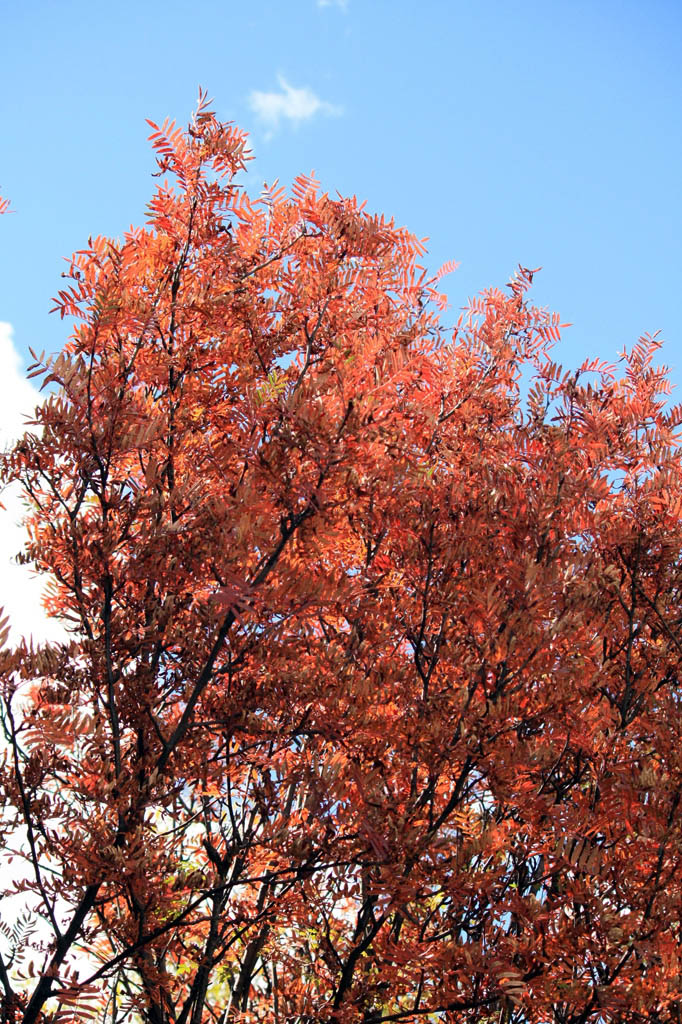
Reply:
x=371, y=708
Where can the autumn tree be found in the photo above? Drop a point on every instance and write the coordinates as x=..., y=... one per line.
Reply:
x=370, y=706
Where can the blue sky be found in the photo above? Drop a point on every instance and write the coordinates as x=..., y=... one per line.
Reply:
x=541, y=133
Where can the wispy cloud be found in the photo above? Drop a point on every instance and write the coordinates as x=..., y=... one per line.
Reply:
x=343, y=4
x=20, y=590
x=291, y=104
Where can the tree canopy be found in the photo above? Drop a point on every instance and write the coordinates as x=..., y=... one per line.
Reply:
x=370, y=705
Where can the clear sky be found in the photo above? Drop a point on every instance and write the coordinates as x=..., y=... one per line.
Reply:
x=546, y=133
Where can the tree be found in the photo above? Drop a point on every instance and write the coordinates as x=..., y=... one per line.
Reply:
x=370, y=709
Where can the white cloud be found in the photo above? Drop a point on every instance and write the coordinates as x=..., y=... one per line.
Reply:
x=290, y=104
x=343, y=4
x=21, y=594
x=20, y=589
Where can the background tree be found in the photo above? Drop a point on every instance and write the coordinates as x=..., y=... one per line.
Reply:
x=371, y=707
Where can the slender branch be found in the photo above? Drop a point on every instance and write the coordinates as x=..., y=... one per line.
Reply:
x=28, y=820
x=4, y=980
x=111, y=696
x=206, y=674
x=43, y=989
